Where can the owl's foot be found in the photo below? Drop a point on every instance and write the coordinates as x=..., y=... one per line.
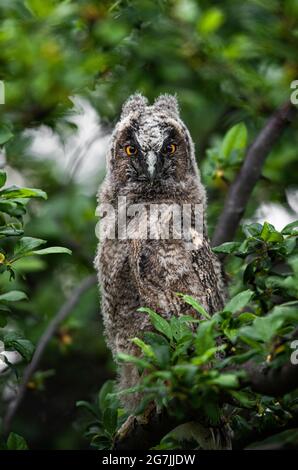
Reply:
x=127, y=427
x=145, y=417
x=131, y=424
x=132, y=421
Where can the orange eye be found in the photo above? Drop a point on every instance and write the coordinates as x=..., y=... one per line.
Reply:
x=131, y=150
x=170, y=149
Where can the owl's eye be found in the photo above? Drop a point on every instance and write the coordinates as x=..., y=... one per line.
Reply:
x=169, y=149
x=131, y=150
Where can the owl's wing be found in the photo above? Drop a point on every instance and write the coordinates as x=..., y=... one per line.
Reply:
x=209, y=272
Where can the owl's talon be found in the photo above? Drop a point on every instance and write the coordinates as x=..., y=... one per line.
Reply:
x=126, y=427
x=132, y=421
x=145, y=417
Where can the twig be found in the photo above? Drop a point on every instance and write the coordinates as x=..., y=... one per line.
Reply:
x=241, y=189
x=64, y=311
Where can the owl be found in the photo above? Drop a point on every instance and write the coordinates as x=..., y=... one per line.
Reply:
x=151, y=164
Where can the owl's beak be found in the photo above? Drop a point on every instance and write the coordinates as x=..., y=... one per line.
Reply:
x=151, y=165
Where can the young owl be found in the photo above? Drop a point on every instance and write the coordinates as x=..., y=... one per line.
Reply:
x=151, y=163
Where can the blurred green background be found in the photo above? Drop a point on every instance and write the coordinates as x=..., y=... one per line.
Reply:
x=67, y=67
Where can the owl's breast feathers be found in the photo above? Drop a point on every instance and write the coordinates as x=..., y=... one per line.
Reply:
x=164, y=268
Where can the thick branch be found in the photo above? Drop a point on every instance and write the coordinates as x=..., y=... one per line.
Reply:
x=250, y=172
x=272, y=381
x=64, y=311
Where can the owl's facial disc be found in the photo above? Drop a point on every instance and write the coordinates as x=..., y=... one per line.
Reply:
x=151, y=159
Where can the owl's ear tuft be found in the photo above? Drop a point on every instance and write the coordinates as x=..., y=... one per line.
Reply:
x=167, y=103
x=135, y=102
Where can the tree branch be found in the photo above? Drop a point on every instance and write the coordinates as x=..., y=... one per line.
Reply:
x=241, y=189
x=273, y=382
x=64, y=311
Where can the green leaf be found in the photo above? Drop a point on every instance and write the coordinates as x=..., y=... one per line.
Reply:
x=235, y=142
x=290, y=244
x=99, y=442
x=188, y=299
x=160, y=346
x=228, y=247
x=155, y=339
x=239, y=301
x=246, y=399
x=139, y=362
x=253, y=230
x=27, y=244
x=110, y=420
x=206, y=356
x=88, y=406
x=103, y=396
x=266, y=230
x=246, y=317
x=52, y=250
x=226, y=381
x=264, y=328
x=287, y=310
x=289, y=229
x=158, y=322
x=40, y=8
x=189, y=319
x=5, y=134
x=16, y=442
x=204, y=340
x=13, y=296
x=26, y=247
x=2, y=178
x=212, y=411
x=16, y=192
x=21, y=345
x=10, y=231
x=269, y=234
x=11, y=208
x=179, y=327
x=275, y=237
x=146, y=349
x=210, y=20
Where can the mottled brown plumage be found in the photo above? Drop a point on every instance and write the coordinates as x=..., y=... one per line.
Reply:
x=149, y=272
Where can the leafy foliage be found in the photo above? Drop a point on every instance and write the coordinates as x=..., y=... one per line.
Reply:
x=198, y=372
x=107, y=417
x=16, y=248
x=15, y=442
x=13, y=247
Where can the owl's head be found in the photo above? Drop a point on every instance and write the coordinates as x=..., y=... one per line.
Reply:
x=150, y=145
